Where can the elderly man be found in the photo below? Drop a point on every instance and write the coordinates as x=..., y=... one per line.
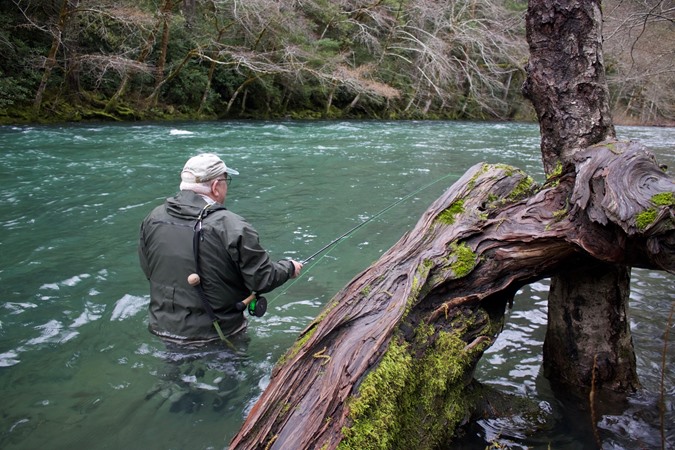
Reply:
x=193, y=233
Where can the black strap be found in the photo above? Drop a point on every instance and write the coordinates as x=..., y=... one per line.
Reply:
x=196, y=238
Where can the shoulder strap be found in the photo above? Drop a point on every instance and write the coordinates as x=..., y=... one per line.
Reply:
x=196, y=238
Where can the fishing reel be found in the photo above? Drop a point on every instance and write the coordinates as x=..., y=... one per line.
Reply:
x=256, y=305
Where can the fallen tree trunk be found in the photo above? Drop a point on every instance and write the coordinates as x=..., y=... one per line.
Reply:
x=389, y=363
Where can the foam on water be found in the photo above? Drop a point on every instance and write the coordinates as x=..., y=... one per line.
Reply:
x=129, y=306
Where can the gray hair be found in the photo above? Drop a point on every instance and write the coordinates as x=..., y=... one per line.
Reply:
x=199, y=188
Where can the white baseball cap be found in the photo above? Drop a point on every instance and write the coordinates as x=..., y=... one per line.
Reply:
x=204, y=167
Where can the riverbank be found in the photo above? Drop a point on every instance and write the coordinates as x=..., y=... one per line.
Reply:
x=63, y=113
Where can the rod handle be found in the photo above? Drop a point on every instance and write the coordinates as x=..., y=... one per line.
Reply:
x=242, y=305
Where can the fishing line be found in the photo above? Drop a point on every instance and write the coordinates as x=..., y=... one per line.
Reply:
x=348, y=233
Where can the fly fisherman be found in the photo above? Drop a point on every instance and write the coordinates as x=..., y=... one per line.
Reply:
x=193, y=236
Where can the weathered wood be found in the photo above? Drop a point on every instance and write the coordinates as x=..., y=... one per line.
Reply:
x=389, y=362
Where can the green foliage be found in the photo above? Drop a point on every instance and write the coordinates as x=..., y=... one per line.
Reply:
x=187, y=88
x=516, y=5
x=225, y=82
x=328, y=46
x=299, y=52
x=11, y=92
x=18, y=79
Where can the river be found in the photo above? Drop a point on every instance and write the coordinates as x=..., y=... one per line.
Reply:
x=78, y=368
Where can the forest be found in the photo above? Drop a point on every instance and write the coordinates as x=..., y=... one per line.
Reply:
x=118, y=60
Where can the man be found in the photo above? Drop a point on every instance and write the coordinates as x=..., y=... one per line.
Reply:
x=226, y=254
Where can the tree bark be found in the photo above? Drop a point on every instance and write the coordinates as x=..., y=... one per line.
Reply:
x=142, y=57
x=154, y=95
x=566, y=79
x=67, y=8
x=566, y=84
x=165, y=18
x=587, y=330
x=389, y=363
x=212, y=67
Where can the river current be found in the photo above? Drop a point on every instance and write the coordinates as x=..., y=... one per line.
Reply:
x=78, y=368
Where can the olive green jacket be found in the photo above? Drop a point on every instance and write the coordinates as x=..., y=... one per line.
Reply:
x=232, y=263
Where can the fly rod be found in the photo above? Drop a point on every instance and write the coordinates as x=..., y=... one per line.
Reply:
x=350, y=231
x=370, y=219
x=334, y=241
x=356, y=227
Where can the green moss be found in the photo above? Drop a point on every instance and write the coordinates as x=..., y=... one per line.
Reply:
x=465, y=259
x=645, y=218
x=484, y=168
x=663, y=199
x=611, y=146
x=553, y=178
x=408, y=402
x=418, y=282
x=648, y=216
x=560, y=214
x=436, y=371
x=557, y=170
x=376, y=409
x=508, y=170
x=304, y=338
x=299, y=343
x=448, y=215
x=523, y=189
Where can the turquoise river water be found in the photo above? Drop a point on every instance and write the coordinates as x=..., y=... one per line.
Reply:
x=78, y=368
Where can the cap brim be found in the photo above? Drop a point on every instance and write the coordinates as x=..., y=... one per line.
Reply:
x=231, y=171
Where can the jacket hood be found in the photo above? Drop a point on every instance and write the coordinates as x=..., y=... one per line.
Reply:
x=186, y=205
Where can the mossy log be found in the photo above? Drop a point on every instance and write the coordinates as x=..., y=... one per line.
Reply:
x=390, y=361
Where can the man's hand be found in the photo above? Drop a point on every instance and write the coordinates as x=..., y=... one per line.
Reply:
x=298, y=268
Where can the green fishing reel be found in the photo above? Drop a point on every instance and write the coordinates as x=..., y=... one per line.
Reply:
x=256, y=305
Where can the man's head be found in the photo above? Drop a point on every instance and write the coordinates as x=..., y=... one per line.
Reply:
x=206, y=174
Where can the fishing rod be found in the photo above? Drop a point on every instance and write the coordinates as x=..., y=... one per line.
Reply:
x=257, y=305
x=370, y=219
x=333, y=242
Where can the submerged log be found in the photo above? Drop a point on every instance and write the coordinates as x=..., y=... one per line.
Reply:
x=389, y=363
